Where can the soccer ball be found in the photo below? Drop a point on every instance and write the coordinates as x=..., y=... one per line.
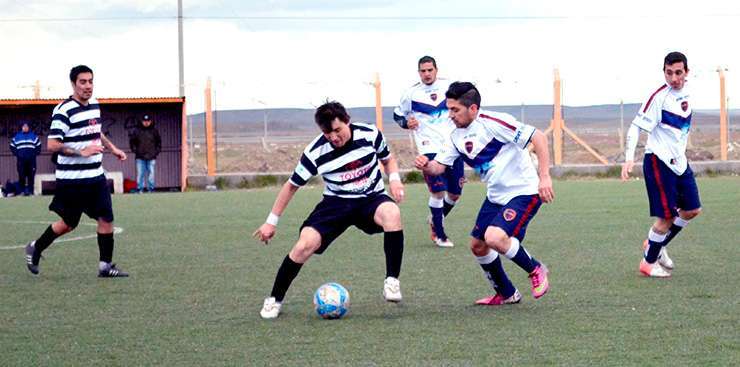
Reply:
x=331, y=301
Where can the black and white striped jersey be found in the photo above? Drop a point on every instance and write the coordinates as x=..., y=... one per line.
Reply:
x=77, y=126
x=350, y=171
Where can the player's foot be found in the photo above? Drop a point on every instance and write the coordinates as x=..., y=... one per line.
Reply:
x=443, y=243
x=112, y=272
x=540, y=284
x=653, y=270
x=271, y=308
x=432, y=234
x=33, y=268
x=663, y=258
x=498, y=299
x=392, y=289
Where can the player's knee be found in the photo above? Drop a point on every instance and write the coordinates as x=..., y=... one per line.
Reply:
x=105, y=227
x=496, y=239
x=390, y=217
x=453, y=197
x=690, y=214
x=61, y=227
x=479, y=248
x=303, y=250
x=662, y=225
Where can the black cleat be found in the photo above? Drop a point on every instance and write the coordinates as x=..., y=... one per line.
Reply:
x=33, y=268
x=112, y=272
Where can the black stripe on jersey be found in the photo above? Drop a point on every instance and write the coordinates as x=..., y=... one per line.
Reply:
x=385, y=153
x=79, y=124
x=322, y=140
x=79, y=138
x=305, y=162
x=78, y=109
x=60, y=117
x=353, y=179
x=360, y=127
x=362, y=161
x=78, y=166
x=336, y=153
x=298, y=180
x=372, y=185
x=56, y=132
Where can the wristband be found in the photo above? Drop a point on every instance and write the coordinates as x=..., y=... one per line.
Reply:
x=272, y=219
x=394, y=176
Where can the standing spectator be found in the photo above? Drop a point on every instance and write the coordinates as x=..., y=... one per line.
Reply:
x=146, y=144
x=25, y=146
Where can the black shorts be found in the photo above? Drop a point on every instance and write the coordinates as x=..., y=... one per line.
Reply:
x=91, y=197
x=333, y=215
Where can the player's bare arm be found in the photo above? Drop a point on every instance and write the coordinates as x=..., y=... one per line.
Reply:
x=539, y=141
x=411, y=122
x=429, y=167
x=267, y=230
x=56, y=146
x=113, y=149
x=394, y=179
x=633, y=135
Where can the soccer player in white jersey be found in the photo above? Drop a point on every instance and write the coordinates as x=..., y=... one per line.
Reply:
x=346, y=155
x=672, y=191
x=495, y=146
x=423, y=110
x=76, y=137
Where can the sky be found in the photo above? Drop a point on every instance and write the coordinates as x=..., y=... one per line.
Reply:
x=297, y=53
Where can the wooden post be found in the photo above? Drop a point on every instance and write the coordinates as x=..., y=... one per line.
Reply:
x=37, y=90
x=556, y=124
x=378, y=103
x=722, y=116
x=184, y=147
x=210, y=153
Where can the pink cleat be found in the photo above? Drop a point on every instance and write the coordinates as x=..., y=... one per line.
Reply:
x=540, y=284
x=499, y=300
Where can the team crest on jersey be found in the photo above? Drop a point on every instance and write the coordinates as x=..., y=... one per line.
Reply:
x=685, y=106
x=509, y=214
x=92, y=122
x=469, y=146
x=433, y=96
x=354, y=164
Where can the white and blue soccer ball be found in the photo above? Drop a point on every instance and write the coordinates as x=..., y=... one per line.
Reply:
x=331, y=301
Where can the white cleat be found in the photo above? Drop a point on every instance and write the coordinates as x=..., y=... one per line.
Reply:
x=443, y=243
x=392, y=290
x=270, y=309
x=653, y=270
x=664, y=260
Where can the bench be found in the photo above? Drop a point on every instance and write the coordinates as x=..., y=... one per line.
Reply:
x=116, y=176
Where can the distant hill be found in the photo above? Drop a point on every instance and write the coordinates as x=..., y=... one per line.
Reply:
x=295, y=121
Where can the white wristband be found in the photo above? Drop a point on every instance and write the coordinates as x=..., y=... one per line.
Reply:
x=394, y=176
x=272, y=219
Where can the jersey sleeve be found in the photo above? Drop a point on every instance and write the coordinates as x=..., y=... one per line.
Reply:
x=381, y=147
x=59, y=125
x=649, y=114
x=448, y=154
x=508, y=130
x=303, y=172
x=403, y=110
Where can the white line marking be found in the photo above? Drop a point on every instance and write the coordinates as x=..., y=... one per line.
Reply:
x=116, y=230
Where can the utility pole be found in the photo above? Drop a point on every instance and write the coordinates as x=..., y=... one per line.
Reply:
x=180, y=51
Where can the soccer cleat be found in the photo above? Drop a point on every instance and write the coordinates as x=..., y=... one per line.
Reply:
x=33, y=268
x=112, y=272
x=498, y=299
x=653, y=270
x=271, y=308
x=443, y=243
x=540, y=284
x=432, y=234
x=392, y=290
x=663, y=258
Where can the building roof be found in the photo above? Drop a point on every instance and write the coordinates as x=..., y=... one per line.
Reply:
x=54, y=101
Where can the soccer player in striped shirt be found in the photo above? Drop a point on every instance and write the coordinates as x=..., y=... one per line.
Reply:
x=346, y=155
x=495, y=146
x=76, y=137
x=672, y=191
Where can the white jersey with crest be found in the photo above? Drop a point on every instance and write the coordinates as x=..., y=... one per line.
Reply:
x=666, y=116
x=494, y=145
x=428, y=105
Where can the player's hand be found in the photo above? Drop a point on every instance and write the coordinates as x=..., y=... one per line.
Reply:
x=421, y=162
x=264, y=233
x=397, y=191
x=119, y=154
x=91, y=149
x=545, y=189
x=627, y=169
x=412, y=123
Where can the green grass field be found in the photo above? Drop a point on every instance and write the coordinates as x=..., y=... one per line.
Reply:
x=198, y=281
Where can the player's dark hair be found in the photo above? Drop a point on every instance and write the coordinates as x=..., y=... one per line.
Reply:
x=77, y=70
x=426, y=59
x=675, y=57
x=464, y=92
x=327, y=112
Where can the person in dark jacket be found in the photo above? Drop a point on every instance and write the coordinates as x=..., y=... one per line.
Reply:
x=146, y=144
x=25, y=146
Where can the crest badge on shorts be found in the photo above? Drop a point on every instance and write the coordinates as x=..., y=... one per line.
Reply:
x=469, y=146
x=685, y=106
x=509, y=214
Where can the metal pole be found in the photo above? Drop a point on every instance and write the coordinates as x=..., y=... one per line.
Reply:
x=180, y=48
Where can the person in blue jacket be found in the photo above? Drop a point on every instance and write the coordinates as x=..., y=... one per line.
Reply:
x=25, y=146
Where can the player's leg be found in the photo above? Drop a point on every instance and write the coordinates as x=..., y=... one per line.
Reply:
x=140, y=175
x=455, y=177
x=387, y=215
x=151, y=164
x=34, y=249
x=490, y=262
x=99, y=206
x=660, y=183
x=507, y=231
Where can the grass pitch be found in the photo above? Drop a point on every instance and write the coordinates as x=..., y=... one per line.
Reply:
x=198, y=281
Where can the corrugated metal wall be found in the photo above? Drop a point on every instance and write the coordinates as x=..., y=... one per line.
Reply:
x=119, y=119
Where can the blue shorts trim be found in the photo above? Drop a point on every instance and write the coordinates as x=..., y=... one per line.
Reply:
x=513, y=218
x=452, y=180
x=667, y=192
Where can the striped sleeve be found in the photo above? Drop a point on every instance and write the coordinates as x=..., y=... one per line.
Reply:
x=381, y=147
x=59, y=124
x=303, y=172
x=649, y=114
